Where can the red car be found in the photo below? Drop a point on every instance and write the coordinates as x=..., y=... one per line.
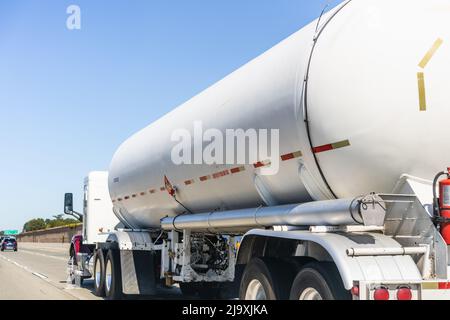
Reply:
x=9, y=244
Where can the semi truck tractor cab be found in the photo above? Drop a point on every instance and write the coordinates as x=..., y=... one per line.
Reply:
x=98, y=221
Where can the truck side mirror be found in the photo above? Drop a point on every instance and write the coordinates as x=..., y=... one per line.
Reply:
x=68, y=203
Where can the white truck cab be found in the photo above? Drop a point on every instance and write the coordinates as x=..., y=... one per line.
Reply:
x=99, y=218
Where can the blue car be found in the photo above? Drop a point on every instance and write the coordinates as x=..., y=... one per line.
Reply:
x=9, y=244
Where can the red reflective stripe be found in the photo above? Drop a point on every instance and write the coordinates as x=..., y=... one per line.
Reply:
x=444, y=285
x=287, y=157
x=221, y=174
x=205, y=178
x=237, y=170
x=142, y=193
x=261, y=164
x=258, y=165
x=291, y=156
x=188, y=182
x=324, y=148
x=332, y=146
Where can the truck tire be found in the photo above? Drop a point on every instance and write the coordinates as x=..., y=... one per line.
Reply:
x=319, y=281
x=113, y=276
x=266, y=279
x=99, y=273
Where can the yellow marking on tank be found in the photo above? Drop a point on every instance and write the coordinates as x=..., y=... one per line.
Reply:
x=426, y=59
x=341, y=144
x=422, y=93
x=421, y=76
x=430, y=286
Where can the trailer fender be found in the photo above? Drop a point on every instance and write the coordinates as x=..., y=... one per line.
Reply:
x=138, y=259
x=131, y=240
x=333, y=247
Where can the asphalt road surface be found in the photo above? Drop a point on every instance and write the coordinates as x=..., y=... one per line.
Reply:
x=38, y=272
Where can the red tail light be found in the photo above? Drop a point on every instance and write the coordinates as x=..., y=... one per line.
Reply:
x=355, y=291
x=381, y=294
x=404, y=294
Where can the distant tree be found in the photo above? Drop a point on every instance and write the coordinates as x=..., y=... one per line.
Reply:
x=2, y=233
x=60, y=221
x=34, y=224
x=41, y=224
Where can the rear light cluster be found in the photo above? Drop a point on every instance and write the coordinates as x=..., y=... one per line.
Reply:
x=403, y=293
x=382, y=293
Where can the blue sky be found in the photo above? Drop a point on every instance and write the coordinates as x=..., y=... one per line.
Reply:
x=68, y=99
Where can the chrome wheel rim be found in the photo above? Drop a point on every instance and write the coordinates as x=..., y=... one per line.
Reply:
x=108, y=275
x=255, y=291
x=97, y=275
x=310, y=294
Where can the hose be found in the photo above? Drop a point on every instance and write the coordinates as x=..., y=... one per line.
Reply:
x=436, y=204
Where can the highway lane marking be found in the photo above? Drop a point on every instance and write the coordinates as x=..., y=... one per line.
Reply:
x=39, y=275
x=69, y=286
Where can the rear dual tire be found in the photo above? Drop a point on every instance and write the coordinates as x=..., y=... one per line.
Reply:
x=266, y=279
x=319, y=281
x=99, y=273
x=107, y=275
x=113, y=276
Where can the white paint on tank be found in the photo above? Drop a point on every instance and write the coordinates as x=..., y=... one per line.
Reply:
x=362, y=87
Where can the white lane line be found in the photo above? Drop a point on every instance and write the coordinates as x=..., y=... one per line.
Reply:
x=40, y=275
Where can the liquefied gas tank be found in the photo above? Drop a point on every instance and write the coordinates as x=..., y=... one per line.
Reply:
x=359, y=99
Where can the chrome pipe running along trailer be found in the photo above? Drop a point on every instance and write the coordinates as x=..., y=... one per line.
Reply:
x=359, y=101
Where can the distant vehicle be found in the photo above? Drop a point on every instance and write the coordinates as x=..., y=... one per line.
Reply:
x=9, y=244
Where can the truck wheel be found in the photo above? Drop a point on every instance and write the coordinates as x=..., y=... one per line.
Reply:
x=99, y=273
x=266, y=280
x=113, y=276
x=319, y=281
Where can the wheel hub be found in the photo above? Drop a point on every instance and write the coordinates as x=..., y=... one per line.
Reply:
x=310, y=294
x=255, y=291
x=108, y=275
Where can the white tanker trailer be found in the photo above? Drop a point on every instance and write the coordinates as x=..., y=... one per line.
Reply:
x=343, y=126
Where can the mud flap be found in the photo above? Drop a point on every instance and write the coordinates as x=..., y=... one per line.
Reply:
x=138, y=272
